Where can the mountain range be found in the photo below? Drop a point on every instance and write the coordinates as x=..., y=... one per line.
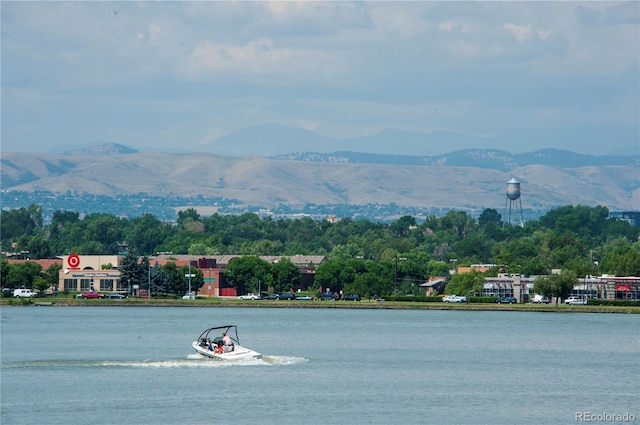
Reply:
x=273, y=139
x=466, y=179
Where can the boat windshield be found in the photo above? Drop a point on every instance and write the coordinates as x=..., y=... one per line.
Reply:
x=216, y=332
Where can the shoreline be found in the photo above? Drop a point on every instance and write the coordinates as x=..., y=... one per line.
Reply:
x=367, y=305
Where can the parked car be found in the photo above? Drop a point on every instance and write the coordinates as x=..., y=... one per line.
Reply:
x=116, y=296
x=24, y=293
x=507, y=300
x=576, y=300
x=273, y=297
x=539, y=299
x=454, y=299
x=287, y=296
x=304, y=298
x=91, y=294
x=328, y=296
x=189, y=296
x=250, y=296
x=352, y=297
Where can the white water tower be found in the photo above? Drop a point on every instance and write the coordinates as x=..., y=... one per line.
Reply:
x=513, y=200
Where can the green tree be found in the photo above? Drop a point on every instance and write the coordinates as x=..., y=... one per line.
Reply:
x=4, y=272
x=465, y=283
x=402, y=226
x=21, y=221
x=52, y=274
x=457, y=223
x=555, y=285
x=472, y=248
x=368, y=285
x=175, y=280
x=189, y=215
x=41, y=285
x=488, y=217
x=245, y=274
x=260, y=247
x=106, y=230
x=201, y=248
x=65, y=232
x=38, y=247
x=438, y=268
x=343, y=252
x=328, y=275
x=23, y=274
x=622, y=260
x=160, y=280
x=130, y=270
x=145, y=234
x=286, y=275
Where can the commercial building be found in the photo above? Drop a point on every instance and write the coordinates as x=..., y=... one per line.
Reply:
x=604, y=287
x=101, y=273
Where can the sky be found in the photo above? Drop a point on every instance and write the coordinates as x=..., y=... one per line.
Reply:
x=514, y=75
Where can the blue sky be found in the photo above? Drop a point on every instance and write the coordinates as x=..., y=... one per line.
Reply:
x=519, y=76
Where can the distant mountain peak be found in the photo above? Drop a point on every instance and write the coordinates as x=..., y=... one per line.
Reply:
x=104, y=149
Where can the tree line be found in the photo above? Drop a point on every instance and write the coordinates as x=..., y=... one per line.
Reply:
x=362, y=256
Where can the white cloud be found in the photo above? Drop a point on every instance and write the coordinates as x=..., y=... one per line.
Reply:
x=255, y=57
x=520, y=32
x=351, y=67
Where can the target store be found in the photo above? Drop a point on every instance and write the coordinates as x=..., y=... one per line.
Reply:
x=91, y=272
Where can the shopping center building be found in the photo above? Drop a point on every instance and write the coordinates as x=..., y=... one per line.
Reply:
x=101, y=272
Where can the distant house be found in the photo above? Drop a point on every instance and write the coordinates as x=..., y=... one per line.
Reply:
x=477, y=267
x=434, y=286
x=632, y=217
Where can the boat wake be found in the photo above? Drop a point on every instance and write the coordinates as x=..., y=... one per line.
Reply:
x=191, y=361
x=283, y=360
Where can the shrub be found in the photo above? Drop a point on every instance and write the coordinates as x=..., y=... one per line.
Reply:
x=482, y=300
x=619, y=303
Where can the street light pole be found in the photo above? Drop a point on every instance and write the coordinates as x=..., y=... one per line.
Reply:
x=395, y=277
x=453, y=265
x=395, y=274
x=189, y=277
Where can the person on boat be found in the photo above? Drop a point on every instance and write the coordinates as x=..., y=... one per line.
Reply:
x=226, y=340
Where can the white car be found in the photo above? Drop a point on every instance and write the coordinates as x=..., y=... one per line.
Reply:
x=189, y=296
x=24, y=293
x=539, y=299
x=576, y=300
x=454, y=299
x=250, y=296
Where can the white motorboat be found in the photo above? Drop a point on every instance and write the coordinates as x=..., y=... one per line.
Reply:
x=211, y=344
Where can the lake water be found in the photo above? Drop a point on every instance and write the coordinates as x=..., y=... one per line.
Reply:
x=135, y=365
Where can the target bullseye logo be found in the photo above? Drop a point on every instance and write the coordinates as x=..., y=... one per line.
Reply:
x=73, y=261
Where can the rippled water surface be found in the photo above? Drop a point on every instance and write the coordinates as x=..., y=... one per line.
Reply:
x=135, y=365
